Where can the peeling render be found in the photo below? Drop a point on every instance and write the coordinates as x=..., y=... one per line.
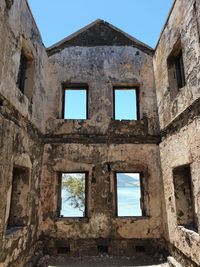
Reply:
x=37, y=144
x=179, y=122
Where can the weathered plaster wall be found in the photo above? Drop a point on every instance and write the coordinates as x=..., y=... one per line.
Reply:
x=101, y=68
x=101, y=161
x=105, y=145
x=101, y=146
x=19, y=147
x=179, y=122
x=18, y=30
x=176, y=150
x=20, y=143
x=182, y=23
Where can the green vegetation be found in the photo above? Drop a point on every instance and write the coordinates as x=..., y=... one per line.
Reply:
x=75, y=186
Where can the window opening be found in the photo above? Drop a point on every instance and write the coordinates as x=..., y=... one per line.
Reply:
x=63, y=250
x=128, y=194
x=75, y=104
x=126, y=104
x=102, y=249
x=19, y=195
x=25, y=78
x=184, y=198
x=176, y=71
x=73, y=195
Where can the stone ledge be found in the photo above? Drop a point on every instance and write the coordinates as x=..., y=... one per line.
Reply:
x=173, y=263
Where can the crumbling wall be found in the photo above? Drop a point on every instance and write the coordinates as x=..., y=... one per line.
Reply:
x=20, y=139
x=19, y=31
x=101, y=161
x=102, y=146
x=181, y=25
x=33, y=136
x=179, y=122
x=101, y=68
x=19, y=147
x=180, y=149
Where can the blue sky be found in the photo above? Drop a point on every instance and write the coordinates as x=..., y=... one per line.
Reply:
x=142, y=19
x=75, y=104
x=125, y=105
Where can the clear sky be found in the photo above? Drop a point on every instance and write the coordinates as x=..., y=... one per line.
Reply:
x=142, y=19
x=75, y=104
x=125, y=105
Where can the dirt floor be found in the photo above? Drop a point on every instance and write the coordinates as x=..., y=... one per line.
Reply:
x=99, y=261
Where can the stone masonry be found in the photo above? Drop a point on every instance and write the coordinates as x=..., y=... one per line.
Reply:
x=37, y=144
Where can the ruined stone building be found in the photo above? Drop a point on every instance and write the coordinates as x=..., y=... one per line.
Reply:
x=38, y=144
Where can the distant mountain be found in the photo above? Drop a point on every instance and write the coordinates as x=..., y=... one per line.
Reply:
x=124, y=180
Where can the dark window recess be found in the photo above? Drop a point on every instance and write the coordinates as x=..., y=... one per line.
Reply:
x=184, y=198
x=180, y=75
x=9, y=3
x=140, y=249
x=22, y=72
x=63, y=250
x=72, y=195
x=102, y=249
x=126, y=103
x=176, y=73
x=25, y=80
x=18, y=205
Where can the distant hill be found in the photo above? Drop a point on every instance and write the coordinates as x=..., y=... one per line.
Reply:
x=124, y=180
